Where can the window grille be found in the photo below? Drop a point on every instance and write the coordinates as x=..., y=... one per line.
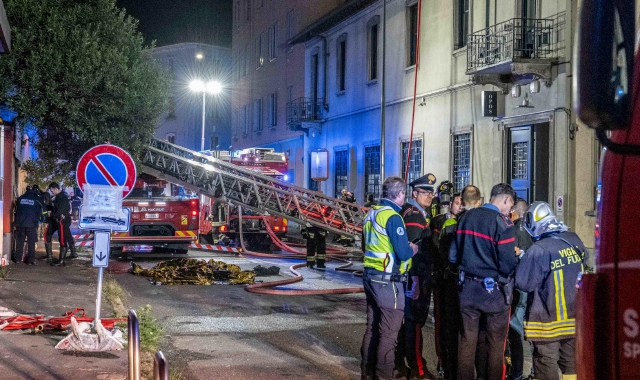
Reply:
x=520, y=160
x=372, y=171
x=341, y=170
x=461, y=175
x=415, y=163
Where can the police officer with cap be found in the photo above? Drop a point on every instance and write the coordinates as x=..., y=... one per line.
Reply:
x=387, y=257
x=415, y=214
x=484, y=249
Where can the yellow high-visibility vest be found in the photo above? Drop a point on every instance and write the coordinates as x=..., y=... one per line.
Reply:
x=379, y=251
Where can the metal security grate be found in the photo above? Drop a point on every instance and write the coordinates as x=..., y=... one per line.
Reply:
x=341, y=170
x=461, y=160
x=372, y=171
x=520, y=160
x=415, y=163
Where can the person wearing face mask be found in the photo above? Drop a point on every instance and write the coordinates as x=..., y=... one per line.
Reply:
x=484, y=250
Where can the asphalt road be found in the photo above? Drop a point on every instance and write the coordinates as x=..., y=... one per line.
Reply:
x=212, y=332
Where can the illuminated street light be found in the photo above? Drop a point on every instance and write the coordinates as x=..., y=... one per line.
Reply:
x=213, y=88
x=199, y=56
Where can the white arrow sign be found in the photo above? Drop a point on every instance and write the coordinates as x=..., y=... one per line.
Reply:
x=101, y=241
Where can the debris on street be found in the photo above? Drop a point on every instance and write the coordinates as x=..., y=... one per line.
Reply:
x=194, y=271
x=81, y=339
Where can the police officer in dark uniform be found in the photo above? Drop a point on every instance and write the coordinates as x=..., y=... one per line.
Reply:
x=51, y=225
x=387, y=256
x=415, y=214
x=62, y=215
x=316, y=242
x=28, y=214
x=443, y=228
x=548, y=272
x=484, y=250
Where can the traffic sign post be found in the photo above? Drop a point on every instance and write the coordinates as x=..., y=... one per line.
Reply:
x=106, y=174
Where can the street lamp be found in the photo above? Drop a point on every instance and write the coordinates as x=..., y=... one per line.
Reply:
x=212, y=88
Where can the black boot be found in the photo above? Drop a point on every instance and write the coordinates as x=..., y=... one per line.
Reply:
x=48, y=248
x=73, y=255
x=60, y=260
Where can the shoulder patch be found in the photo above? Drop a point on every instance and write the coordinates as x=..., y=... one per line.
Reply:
x=507, y=220
x=400, y=231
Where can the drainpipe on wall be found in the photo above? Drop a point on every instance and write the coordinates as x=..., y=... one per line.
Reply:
x=6, y=238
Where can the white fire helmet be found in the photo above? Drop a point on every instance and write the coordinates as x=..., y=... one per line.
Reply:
x=539, y=218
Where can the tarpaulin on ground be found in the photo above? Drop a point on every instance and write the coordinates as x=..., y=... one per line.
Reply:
x=194, y=271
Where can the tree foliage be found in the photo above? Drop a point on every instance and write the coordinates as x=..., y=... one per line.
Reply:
x=79, y=75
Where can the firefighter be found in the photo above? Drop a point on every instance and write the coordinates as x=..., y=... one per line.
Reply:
x=316, y=242
x=62, y=215
x=28, y=214
x=387, y=255
x=445, y=297
x=415, y=214
x=484, y=250
x=549, y=271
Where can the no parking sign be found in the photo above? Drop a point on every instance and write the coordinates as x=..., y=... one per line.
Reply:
x=107, y=165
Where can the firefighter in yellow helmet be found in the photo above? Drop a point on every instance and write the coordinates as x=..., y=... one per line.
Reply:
x=387, y=257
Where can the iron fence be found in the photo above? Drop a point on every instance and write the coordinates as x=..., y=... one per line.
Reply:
x=304, y=109
x=514, y=38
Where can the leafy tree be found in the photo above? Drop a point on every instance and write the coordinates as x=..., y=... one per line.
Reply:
x=79, y=75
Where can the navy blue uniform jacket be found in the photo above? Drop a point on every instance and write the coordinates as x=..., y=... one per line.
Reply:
x=485, y=243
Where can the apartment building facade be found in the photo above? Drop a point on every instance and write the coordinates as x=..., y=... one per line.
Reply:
x=516, y=56
x=269, y=73
x=182, y=123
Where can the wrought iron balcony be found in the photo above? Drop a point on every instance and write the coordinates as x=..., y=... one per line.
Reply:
x=494, y=49
x=304, y=110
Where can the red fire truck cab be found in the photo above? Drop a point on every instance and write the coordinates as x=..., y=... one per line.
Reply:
x=158, y=221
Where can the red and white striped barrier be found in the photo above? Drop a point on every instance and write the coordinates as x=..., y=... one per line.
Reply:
x=84, y=243
x=211, y=247
x=83, y=236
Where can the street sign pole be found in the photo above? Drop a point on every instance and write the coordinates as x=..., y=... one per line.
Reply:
x=101, y=246
x=99, y=294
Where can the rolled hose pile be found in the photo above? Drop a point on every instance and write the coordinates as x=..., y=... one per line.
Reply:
x=196, y=272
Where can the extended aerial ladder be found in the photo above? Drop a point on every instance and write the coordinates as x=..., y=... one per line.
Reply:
x=243, y=187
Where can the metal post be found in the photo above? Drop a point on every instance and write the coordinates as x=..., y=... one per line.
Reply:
x=383, y=99
x=160, y=367
x=134, y=345
x=99, y=294
x=204, y=93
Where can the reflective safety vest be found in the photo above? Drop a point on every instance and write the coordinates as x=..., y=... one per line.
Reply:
x=379, y=251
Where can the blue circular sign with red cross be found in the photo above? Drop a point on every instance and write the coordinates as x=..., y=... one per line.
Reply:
x=107, y=165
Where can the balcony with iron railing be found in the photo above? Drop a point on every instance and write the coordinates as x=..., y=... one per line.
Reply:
x=305, y=113
x=528, y=43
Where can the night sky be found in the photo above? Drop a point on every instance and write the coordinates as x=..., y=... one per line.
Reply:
x=175, y=21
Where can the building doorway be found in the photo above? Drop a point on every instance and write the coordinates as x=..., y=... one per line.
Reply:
x=528, y=161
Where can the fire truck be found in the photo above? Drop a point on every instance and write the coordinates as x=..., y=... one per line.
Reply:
x=219, y=222
x=158, y=221
x=607, y=85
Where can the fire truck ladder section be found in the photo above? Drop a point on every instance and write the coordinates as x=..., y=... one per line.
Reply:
x=239, y=186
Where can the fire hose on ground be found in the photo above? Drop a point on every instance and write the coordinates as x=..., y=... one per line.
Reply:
x=267, y=287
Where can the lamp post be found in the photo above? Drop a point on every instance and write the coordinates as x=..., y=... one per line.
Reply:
x=212, y=87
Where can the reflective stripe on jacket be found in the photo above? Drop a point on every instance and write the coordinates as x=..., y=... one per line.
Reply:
x=548, y=271
x=379, y=252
